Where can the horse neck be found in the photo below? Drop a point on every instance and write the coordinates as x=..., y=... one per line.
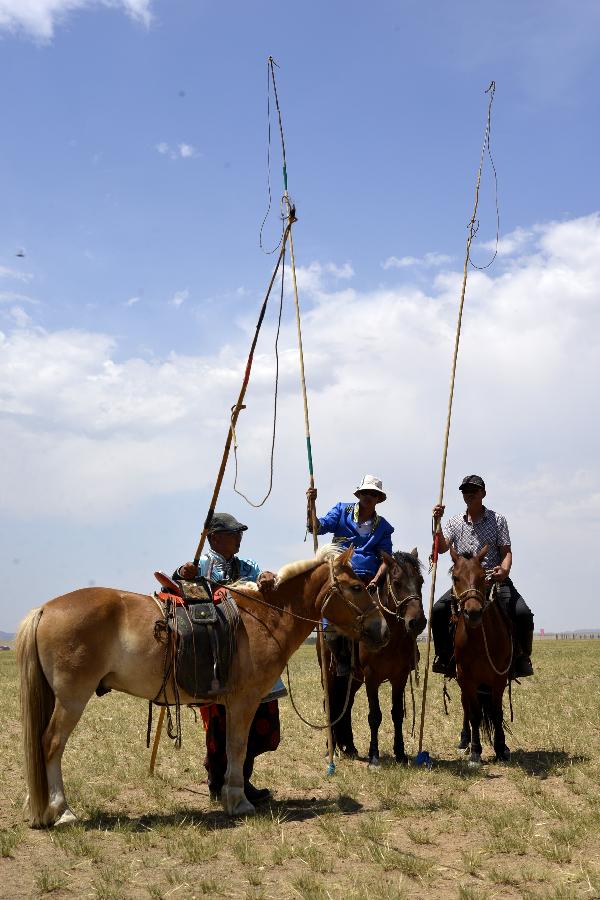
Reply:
x=301, y=596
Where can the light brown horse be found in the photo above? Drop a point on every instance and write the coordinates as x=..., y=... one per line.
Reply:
x=105, y=637
x=400, y=602
x=483, y=649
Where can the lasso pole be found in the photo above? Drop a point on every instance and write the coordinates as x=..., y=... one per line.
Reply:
x=291, y=217
x=424, y=757
x=235, y=411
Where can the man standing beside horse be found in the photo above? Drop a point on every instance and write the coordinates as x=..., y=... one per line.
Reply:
x=222, y=565
x=469, y=533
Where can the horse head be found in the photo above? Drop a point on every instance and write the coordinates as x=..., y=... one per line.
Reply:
x=404, y=584
x=349, y=606
x=468, y=585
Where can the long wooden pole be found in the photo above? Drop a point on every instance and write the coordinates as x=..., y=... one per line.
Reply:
x=423, y=758
x=291, y=217
x=235, y=411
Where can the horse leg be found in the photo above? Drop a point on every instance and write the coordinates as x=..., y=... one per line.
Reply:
x=375, y=718
x=465, y=735
x=239, y=718
x=64, y=719
x=475, y=721
x=500, y=748
x=397, y=719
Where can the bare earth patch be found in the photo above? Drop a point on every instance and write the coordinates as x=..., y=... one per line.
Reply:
x=526, y=829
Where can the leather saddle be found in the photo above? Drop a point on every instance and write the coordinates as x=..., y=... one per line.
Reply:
x=205, y=634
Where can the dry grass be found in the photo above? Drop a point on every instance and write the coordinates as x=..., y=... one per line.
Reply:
x=528, y=829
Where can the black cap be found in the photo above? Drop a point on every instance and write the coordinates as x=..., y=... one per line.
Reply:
x=475, y=480
x=225, y=522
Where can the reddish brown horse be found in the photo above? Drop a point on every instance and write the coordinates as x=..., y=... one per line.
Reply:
x=105, y=637
x=401, y=604
x=483, y=649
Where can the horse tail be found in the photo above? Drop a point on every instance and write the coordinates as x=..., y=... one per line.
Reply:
x=37, y=705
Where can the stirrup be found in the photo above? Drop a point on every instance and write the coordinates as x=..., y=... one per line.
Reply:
x=522, y=667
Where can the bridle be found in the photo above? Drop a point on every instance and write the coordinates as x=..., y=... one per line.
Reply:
x=471, y=593
x=336, y=588
x=400, y=605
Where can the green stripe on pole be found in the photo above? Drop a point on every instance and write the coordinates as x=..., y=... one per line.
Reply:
x=285, y=177
x=309, y=451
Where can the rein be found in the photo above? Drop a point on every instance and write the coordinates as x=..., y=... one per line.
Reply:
x=485, y=603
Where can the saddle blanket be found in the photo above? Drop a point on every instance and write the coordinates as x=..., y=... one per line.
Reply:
x=206, y=644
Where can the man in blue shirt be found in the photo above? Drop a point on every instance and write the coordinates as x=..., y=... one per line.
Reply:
x=369, y=533
x=222, y=565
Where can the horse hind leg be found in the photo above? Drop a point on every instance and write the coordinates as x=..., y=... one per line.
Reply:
x=64, y=719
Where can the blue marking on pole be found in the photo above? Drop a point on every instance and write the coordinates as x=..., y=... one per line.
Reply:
x=330, y=768
x=285, y=177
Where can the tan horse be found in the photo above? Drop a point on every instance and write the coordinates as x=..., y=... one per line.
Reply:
x=483, y=649
x=400, y=601
x=105, y=637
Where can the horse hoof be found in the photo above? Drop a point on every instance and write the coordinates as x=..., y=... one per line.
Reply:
x=504, y=756
x=350, y=753
x=374, y=763
x=464, y=744
x=402, y=759
x=475, y=761
x=67, y=818
x=235, y=802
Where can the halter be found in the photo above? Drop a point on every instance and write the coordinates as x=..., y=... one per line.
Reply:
x=399, y=604
x=335, y=588
x=471, y=592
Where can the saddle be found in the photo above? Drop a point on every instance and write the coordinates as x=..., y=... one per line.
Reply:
x=202, y=629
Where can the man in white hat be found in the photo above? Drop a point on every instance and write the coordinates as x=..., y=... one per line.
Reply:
x=369, y=533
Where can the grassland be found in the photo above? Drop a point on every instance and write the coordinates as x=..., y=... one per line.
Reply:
x=529, y=829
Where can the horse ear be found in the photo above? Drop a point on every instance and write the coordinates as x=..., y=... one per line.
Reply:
x=414, y=552
x=482, y=553
x=453, y=553
x=345, y=557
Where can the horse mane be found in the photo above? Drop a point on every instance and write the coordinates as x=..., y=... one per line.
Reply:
x=324, y=553
x=402, y=557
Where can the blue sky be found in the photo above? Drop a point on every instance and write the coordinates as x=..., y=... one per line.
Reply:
x=133, y=176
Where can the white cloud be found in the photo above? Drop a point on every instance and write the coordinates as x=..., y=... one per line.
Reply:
x=6, y=272
x=180, y=151
x=179, y=297
x=186, y=150
x=38, y=18
x=86, y=435
x=132, y=301
x=430, y=260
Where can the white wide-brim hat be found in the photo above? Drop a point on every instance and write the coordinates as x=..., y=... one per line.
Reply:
x=371, y=483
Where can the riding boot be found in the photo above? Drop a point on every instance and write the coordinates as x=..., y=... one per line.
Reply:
x=522, y=667
x=253, y=794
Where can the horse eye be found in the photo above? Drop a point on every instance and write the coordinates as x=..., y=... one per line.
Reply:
x=356, y=588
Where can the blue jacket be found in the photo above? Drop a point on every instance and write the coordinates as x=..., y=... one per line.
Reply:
x=340, y=522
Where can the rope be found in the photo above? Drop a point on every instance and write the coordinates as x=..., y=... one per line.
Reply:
x=237, y=408
x=260, y=235
x=472, y=231
x=235, y=443
x=486, y=145
x=291, y=217
x=329, y=724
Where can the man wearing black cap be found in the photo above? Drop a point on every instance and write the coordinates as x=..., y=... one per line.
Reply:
x=223, y=566
x=469, y=533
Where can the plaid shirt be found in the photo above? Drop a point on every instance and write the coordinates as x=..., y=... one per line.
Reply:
x=471, y=537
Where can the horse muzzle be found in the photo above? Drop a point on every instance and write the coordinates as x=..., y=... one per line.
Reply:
x=416, y=625
x=375, y=633
x=473, y=617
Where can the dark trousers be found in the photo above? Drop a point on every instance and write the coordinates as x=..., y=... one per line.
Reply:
x=264, y=736
x=512, y=604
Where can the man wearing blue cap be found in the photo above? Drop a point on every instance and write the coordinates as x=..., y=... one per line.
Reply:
x=469, y=533
x=222, y=565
